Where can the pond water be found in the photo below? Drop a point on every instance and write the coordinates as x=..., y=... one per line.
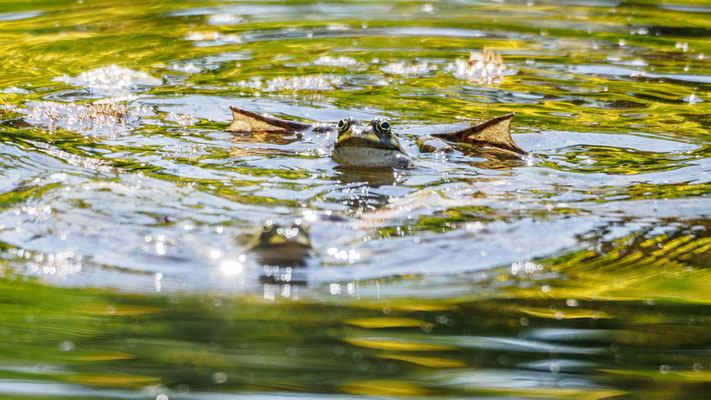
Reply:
x=126, y=210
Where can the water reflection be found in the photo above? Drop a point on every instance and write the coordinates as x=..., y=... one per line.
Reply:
x=369, y=177
x=396, y=346
x=261, y=144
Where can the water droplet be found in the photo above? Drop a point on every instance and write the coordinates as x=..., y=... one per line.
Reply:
x=219, y=377
x=66, y=346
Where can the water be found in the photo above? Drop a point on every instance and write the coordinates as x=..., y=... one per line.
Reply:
x=126, y=210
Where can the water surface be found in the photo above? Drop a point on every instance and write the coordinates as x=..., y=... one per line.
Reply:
x=126, y=209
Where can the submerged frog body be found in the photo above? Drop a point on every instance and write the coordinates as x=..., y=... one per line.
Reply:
x=375, y=145
x=279, y=245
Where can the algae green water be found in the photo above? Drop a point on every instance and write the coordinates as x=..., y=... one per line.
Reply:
x=583, y=271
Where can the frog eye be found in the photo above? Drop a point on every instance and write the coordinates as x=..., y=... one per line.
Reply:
x=343, y=124
x=381, y=126
x=266, y=228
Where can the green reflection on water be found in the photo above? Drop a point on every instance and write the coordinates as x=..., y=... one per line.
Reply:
x=206, y=343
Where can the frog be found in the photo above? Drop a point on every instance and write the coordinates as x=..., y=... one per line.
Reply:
x=281, y=245
x=368, y=146
x=375, y=145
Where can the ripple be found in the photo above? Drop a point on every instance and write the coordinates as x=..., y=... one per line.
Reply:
x=15, y=16
x=341, y=61
x=101, y=117
x=316, y=83
x=429, y=31
x=486, y=68
x=405, y=69
x=57, y=265
x=188, y=68
x=112, y=80
x=213, y=38
x=225, y=19
x=610, y=70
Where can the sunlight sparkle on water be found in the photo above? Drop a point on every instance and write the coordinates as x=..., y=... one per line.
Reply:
x=58, y=264
x=484, y=68
x=111, y=79
x=405, y=69
x=202, y=36
x=341, y=61
x=527, y=267
x=225, y=19
x=157, y=281
x=232, y=268
x=310, y=215
x=288, y=232
x=104, y=116
x=188, y=68
x=346, y=255
x=298, y=83
x=160, y=248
